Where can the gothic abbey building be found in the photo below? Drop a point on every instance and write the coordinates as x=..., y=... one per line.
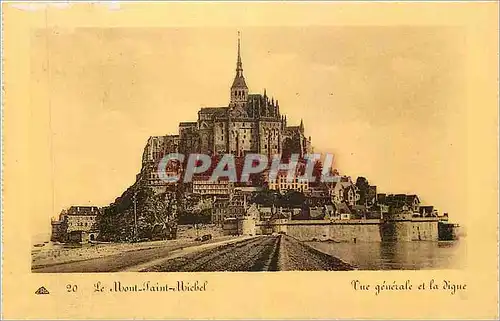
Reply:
x=251, y=123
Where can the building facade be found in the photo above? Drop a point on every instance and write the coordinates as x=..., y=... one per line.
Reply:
x=344, y=191
x=219, y=210
x=76, y=225
x=282, y=184
x=203, y=185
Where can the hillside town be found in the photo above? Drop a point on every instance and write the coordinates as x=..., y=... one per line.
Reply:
x=347, y=209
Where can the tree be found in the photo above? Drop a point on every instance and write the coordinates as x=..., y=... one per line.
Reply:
x=156, y=215
x=363, y=189
x=266, y=198
x=293, y=199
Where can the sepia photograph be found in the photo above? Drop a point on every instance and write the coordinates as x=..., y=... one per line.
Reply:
x=231, y=205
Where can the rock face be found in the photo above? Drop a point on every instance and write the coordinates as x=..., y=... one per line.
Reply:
x=142, y=212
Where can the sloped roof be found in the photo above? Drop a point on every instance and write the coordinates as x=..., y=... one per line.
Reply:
x=212, y=110
x=395, y=199
x=239, y=82
x=316, y=214
x=359, y=208
x=83, y=210
x=329, y=207
x=187, y=123
x=316, y=193
x=411, y=198
x=342, y=208
x=292, y=128
x=427, y=209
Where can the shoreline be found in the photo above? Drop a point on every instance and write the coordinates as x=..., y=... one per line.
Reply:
x=60, y=255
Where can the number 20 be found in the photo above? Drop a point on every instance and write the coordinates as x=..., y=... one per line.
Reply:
x=71, y=288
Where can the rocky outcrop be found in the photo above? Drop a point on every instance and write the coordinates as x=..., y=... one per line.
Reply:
x=142, y=212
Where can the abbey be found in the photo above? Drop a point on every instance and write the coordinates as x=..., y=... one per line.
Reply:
x=250, y=123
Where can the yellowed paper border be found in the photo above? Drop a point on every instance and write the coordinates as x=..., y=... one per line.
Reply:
x=249, y=295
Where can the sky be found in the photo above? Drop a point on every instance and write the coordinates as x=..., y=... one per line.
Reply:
x=388, y=101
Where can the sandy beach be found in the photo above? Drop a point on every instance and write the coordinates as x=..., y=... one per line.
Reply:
x=56, y=253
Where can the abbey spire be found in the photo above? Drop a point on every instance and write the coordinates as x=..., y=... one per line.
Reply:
x=239, y=65
x=239, y=89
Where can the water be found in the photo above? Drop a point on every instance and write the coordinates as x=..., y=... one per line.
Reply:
x=398, y=256
x=365, y=255
x=40, y=238
x=44, y=238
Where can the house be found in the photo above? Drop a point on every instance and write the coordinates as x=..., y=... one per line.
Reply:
x=282, y=184
x=266, y=212
x=413, y=202
x=237, y=205
x=219, y=210
x=344, y=191
x=427, y=211
x=398, y=201
x=76, y=224
x=342, y=211
x=204, y=185
x=318, y=197
x=316, y=213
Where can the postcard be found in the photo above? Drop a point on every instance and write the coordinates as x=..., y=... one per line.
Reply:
x=241, y=160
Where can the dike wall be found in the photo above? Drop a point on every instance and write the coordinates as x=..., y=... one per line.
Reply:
x=363, y=230
x=339, y=231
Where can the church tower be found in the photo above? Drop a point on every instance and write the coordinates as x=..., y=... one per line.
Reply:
x=239, y=89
